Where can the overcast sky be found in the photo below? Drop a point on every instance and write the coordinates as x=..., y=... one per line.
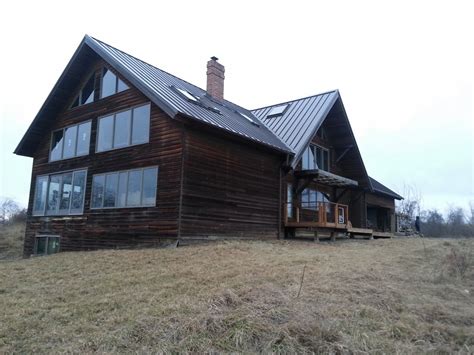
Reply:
x=404, y=70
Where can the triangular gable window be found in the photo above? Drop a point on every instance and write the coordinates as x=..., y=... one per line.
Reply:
x=86, y=95
x=111, y=84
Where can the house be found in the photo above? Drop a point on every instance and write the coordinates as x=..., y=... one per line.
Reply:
x=125, y=154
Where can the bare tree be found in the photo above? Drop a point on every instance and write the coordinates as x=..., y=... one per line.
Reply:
x=8, y=208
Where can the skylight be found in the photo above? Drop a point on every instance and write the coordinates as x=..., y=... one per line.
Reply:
x=277, y=111
x=187, y=94
x=248, y=119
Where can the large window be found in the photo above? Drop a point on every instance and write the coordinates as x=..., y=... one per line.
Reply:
x=315, y=157
x=69, y=142
x=86, y=94
x=46, y=244
x=123, y=129
x=60, y=194
x=310, y=199
x=111, y=84
x=130, y=188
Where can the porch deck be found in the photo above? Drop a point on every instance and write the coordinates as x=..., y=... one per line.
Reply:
x=322, y=215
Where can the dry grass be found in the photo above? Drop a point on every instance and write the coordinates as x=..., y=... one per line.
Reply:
x=383, y=296
x=11, y=240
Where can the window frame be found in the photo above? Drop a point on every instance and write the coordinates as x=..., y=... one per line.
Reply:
x=313, y=147
x=47, y=237
x=64, y=139
x=310, y=204
x=48, y=178
x=116, y=83
x=126, y=192
x=130, y=137
x=78, y=96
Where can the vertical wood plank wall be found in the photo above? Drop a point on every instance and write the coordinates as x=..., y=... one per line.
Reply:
x=231, y=189
x=124, y=227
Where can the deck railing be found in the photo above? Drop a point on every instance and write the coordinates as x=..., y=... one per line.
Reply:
x=319, y=214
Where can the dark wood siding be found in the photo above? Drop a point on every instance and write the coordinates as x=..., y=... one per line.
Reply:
x=108, y=228
x=230, y=189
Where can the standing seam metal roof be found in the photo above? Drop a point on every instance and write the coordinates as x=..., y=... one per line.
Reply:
x=298, y=124
x=158, y=86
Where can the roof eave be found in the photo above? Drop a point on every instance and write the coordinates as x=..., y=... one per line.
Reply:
x=298, y=155
x=122, y=70
x=19, y=148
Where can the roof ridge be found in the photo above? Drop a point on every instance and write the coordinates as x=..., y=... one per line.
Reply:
x=151, y=65
x=301, y=98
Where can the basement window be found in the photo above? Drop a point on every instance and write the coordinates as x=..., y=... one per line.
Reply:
x=46, y=244
x=86, y=94
x=277, y=111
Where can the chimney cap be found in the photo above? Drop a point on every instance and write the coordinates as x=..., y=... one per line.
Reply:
x=214, y=58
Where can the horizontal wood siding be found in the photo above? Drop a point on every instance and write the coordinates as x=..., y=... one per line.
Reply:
x=111, y=228
x=231, y=189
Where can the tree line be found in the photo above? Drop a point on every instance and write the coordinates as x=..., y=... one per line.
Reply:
x=456, y=223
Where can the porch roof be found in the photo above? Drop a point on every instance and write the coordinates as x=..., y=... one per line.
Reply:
x=326, y=178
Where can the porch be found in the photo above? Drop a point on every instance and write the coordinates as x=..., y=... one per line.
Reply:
x=320, y=215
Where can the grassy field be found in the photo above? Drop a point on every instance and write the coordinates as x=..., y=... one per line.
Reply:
x=11, y=241
x=382, y=296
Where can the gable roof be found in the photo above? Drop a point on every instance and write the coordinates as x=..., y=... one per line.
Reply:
x=160, y=87
x=300, y=120
x=384, y=190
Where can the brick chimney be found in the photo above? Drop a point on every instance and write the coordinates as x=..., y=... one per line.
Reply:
x=215, y=79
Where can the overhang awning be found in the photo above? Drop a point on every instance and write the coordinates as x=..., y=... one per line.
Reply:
x=326, y=178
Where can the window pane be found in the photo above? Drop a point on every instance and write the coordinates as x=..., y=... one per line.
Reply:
x=57, y=145
x=319, y=158
x=83, y=138
x=65, y=193
x=289, y=200
x=70, y=142
x=53, y=245
x=149, y=186
x=326, y=160
x=122, y=189
x=106, y=127
x=111, y=181
x=308, y=159
x=134, y=188
x=53, y=194
x=40, y=195
x=141, y=124
x=108, y=83
x=40, y=245
x=121, y=86
x=97, y=190
x=122, y=129
x=87, y=95
x=78, y=188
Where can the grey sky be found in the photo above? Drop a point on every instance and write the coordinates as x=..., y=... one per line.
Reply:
x=404, y=70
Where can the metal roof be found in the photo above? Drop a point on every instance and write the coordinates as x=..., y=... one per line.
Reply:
x=378, y=187
x=300, y=120
x=159, y=85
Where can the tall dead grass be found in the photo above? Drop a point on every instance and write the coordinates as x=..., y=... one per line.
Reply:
x=11, y=240
x=383, y=296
